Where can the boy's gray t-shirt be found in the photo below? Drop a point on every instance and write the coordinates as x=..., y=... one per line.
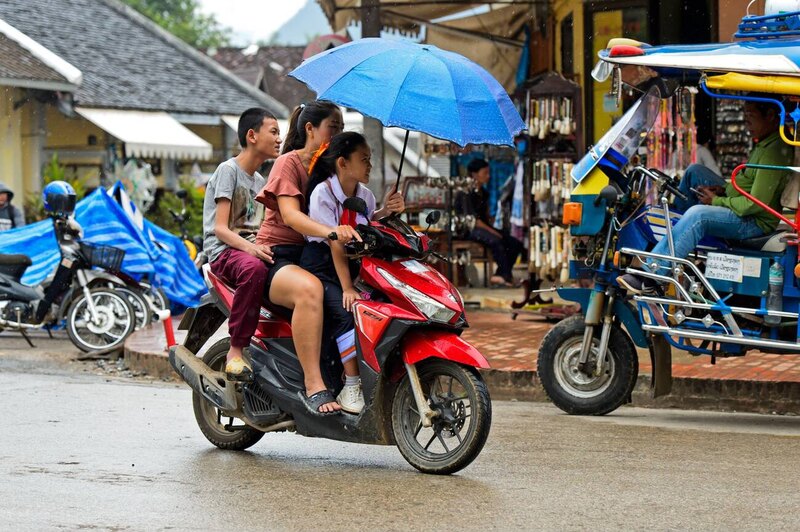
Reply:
x=231, y=182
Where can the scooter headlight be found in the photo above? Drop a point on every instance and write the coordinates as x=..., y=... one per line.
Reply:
x=431, y=308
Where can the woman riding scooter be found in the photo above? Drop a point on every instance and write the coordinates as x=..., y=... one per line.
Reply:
x=284, y=228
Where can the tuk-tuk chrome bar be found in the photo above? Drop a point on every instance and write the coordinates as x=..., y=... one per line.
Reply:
x=662, y=279
x=706, y=306
x=685, y=262
x=721, y=339
x=727, y=316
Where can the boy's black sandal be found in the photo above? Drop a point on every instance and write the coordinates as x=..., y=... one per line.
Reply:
x=316, y=400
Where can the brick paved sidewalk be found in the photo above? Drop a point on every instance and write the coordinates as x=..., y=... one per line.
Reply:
x=756, y=382
x=512, y=345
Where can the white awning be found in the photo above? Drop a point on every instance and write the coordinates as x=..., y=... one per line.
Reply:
x=149, y=134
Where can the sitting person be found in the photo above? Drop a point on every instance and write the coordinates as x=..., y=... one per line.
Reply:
x=284, y=228
x=505, y=248
x=720, y=210
x=229, y=227
x=11, y=216
x=341, y=172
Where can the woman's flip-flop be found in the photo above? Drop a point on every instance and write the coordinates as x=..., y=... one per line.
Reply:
x=316, y=400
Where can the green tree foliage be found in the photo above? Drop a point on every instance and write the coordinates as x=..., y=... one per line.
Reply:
x=183, y=19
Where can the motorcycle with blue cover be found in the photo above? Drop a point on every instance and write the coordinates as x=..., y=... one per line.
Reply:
x=98, y=319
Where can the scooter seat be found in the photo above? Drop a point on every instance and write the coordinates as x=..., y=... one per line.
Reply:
x=14, y=266
x=770, y=242
x=15, y=260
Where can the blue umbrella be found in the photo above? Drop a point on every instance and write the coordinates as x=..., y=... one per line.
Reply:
x=417, y=87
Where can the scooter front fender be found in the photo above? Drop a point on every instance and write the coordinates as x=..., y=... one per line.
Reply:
x=419, y=345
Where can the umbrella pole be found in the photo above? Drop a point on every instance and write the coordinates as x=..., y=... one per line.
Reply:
x=402, y=159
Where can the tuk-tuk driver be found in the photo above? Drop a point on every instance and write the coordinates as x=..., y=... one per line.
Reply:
x=717, y=209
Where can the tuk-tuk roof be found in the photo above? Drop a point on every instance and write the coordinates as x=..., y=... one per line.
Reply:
x=768, y=56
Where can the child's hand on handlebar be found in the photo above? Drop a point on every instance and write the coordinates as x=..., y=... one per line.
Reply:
x=260, y=251
x=344, y=234
x=349, y=296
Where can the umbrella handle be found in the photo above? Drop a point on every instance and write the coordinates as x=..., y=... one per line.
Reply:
x=402, y=160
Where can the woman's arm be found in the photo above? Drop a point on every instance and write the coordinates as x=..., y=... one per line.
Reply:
x=295, y=218
x=231, y=238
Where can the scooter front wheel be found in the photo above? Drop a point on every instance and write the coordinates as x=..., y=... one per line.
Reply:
x=584, y=390
x=464, y=415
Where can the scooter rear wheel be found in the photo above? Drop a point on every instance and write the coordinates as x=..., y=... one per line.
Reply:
x=459, y=431
x=211, y=420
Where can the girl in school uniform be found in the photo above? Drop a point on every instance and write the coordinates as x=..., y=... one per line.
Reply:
x=341, y=171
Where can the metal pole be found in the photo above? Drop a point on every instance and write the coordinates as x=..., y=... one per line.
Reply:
x=373, y=130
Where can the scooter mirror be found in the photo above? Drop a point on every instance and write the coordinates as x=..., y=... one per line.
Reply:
x=608, y=193
x=433, y=217
x=356, y=204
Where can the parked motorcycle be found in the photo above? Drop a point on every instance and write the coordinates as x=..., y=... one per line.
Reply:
x=97, y=319
x=421, y=384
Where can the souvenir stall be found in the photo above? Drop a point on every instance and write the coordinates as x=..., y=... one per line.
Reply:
x=551, y=105
x=426, y=193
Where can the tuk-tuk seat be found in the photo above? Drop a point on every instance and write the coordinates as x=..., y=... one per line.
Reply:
x=771, y=243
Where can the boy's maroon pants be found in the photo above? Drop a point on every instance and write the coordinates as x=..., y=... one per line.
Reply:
x=247, y=275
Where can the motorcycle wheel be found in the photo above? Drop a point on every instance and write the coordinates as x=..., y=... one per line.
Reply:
x=211, y=420
x=571, y=389
x=113, y=323
x=458, y=432
x=141, y=309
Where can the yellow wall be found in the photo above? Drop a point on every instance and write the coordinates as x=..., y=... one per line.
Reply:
x=11, y=142
x=561, y=10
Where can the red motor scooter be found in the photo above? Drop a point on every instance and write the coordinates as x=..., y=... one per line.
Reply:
x=421, y=385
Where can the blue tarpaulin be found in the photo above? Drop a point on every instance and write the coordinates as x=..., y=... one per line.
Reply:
x=150, y=251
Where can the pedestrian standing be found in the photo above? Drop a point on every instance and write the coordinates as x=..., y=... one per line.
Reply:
x=11, y=216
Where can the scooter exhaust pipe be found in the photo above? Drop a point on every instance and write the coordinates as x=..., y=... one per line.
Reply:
x=19, y=326
x=202, y=379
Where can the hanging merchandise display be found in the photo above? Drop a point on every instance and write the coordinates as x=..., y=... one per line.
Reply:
x=672, y=143
x=554, y=144
x=551, y=115
x=733, y=139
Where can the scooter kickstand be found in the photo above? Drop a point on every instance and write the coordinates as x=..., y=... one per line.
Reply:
x=426, y=414
x=27, y=338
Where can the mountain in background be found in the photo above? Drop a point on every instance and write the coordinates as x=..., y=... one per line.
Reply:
x=303, y=27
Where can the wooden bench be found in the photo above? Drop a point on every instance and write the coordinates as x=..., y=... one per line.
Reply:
x=478, y=253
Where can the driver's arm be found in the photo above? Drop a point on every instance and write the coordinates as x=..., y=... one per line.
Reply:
x=766, y=184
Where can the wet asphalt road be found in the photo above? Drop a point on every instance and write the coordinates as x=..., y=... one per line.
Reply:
x=83, y=448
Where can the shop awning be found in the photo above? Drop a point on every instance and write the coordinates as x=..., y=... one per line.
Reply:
x=148, y=133
x=492, y=38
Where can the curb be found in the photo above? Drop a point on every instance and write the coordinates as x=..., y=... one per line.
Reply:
x=725, y=395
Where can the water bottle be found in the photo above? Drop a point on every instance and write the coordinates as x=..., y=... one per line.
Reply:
x=775, y=294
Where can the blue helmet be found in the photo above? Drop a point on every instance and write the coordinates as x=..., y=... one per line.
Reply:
x=59, y=199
